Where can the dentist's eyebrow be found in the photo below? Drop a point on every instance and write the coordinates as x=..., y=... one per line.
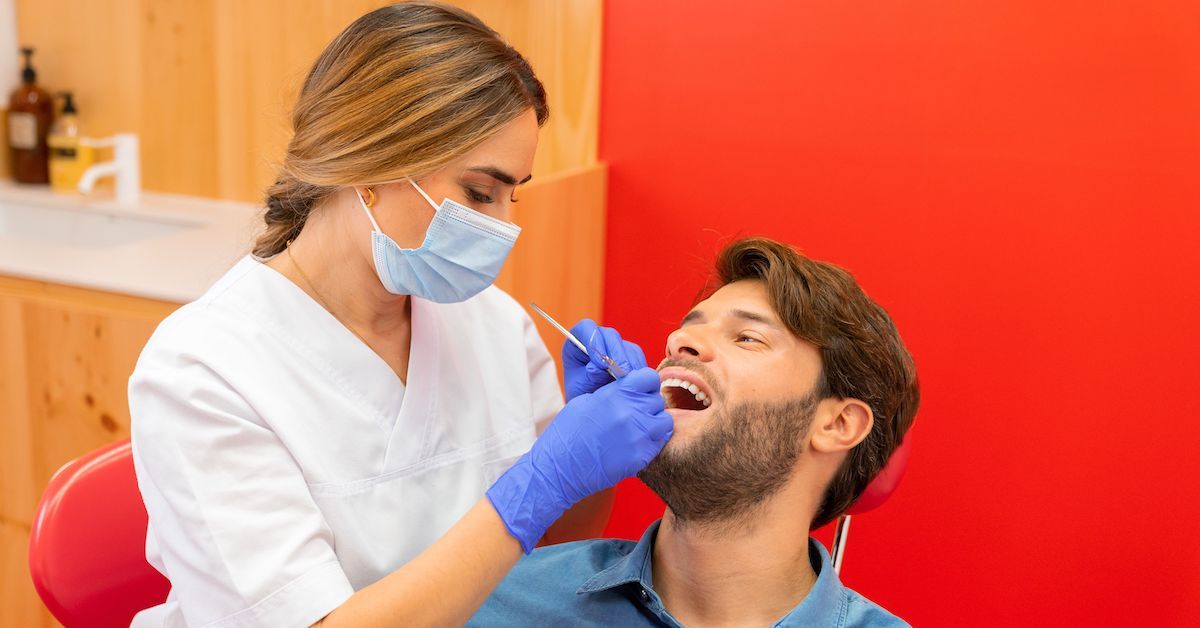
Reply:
x=500, y=175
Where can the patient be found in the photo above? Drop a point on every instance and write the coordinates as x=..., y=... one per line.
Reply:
x=790, y=389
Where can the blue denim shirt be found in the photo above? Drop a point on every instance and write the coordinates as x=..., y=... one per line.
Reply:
x=607, y=582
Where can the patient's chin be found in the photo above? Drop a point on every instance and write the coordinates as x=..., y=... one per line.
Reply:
x=743, y=455
x=686, y=430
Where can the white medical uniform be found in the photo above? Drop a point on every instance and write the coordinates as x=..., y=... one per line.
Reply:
x=283, y=463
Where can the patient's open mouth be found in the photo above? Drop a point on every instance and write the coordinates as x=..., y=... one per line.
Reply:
x=684, y=395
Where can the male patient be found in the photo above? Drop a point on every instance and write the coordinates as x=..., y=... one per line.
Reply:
x=790, y=389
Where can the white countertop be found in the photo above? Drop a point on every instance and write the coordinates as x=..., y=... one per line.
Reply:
x=168, y=247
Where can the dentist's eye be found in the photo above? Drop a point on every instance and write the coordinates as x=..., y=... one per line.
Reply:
x=744, y=338
x=478, y=197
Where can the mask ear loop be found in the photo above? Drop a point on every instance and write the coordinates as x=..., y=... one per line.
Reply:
x=367, y=207
x=430, y=200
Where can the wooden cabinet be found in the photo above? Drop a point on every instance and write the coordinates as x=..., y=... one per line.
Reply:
x=65, y=357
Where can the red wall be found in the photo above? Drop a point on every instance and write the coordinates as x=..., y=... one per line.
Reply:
x=1019, y=184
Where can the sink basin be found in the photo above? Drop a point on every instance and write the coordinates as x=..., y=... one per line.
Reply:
x=83, y=227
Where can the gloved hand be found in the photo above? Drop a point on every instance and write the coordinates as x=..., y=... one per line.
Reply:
x=582, y=373
x=597, y=440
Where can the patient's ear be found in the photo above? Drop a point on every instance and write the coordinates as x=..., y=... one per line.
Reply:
x=841, y=425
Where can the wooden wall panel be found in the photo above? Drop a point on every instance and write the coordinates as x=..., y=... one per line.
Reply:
x=93, y=49
x=558, y=262
x=18, y=493
x=67, y=354
x=19, y=603
x=79, y=362
x=177, y=88
x=561, y=39
x=209, y=84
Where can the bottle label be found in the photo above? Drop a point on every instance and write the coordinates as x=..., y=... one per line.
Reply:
x=22, y=130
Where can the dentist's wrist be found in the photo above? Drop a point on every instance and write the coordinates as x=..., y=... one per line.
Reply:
x=527, y=501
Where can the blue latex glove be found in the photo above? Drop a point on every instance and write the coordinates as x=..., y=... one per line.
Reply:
x=597, y=440
x=582, y=373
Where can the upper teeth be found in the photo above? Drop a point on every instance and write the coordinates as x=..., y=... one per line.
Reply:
x=688, y=386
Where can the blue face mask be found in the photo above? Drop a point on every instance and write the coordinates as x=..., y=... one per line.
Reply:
x=462, y=253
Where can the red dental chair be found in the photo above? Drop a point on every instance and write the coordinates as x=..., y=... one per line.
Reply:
x=87, y=550
x=875, y=494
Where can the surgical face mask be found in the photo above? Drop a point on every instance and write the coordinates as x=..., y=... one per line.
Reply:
x=462, y=253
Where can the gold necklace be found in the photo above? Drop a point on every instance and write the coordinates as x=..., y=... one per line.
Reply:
x=316, y=293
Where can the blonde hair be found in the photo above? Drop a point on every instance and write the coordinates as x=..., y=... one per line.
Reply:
x=401, y=92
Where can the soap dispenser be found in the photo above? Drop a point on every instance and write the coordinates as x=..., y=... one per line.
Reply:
x=69, y=157
x=30, y=112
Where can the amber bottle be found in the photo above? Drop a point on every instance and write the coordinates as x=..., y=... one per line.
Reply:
x=30, y=113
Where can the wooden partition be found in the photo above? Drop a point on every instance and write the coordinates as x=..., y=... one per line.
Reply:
x=208, y=86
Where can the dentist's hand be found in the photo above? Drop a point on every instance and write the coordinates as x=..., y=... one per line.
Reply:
x=596, y=441
x=582, y=373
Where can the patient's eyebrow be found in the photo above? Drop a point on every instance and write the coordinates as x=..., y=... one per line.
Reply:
x=695, y=316
x=756, y=317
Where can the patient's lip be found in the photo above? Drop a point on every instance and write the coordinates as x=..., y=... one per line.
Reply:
x=690, y=376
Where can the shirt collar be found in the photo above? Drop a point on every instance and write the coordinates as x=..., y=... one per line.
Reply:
x=632, y=567
x=825, y=604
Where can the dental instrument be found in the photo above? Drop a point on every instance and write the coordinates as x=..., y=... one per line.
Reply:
x=613, y=368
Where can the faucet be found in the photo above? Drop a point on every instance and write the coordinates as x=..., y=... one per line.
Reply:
x=124, y=167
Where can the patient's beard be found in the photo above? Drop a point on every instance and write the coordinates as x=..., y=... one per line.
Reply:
x=745, y=455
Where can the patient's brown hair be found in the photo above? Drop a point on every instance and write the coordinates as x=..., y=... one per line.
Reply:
x=862, y=356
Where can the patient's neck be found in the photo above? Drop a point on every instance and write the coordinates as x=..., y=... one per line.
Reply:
x=747, y=572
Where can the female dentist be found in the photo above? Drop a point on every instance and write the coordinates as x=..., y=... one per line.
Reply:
x=342, y=430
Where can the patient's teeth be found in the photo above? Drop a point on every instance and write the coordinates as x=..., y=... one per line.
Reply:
x=688, y=386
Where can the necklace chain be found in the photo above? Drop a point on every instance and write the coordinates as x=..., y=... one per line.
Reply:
x=317, y=293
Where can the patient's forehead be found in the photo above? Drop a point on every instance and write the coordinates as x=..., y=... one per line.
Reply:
x=746, y=299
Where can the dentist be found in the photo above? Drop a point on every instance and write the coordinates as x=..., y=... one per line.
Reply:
x=344, y=429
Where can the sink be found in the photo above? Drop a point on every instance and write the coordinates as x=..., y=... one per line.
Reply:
x=83, y=227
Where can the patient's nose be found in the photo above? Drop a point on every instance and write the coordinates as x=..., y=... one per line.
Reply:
x=684, y=343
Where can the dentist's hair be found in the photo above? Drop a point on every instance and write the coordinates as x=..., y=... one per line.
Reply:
x=862, y=355
x=401, y=92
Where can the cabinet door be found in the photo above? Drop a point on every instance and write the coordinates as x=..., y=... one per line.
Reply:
x=19, y=604
x=65, y=357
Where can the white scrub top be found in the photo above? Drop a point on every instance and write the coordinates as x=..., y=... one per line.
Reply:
x=283, y=463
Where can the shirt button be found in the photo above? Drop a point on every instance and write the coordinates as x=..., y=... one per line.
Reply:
x=645, y=596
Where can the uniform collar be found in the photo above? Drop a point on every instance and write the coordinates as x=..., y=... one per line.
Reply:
x=825, y=604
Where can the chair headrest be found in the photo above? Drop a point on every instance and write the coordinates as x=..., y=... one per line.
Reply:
x=87, y=549
x=886, y=482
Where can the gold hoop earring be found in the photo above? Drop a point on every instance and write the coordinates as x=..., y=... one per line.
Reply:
x=370, y=202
